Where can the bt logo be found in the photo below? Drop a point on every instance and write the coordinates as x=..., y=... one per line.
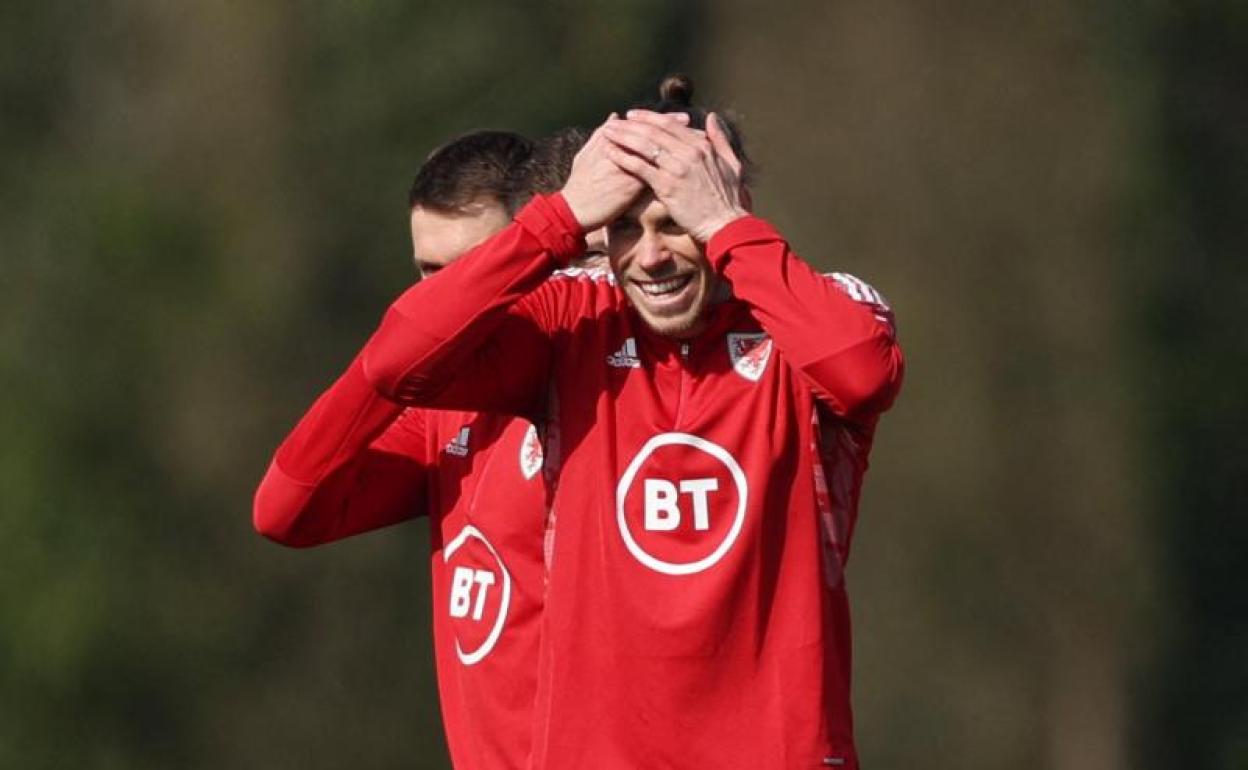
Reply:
x=461, y=591
x=680, y=505
x=480, y=593
x=662, y=504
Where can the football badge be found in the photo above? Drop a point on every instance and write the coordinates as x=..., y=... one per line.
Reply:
x=750, y=354
x=531, y=455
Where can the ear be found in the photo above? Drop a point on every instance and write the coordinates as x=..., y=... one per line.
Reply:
x=596, y=240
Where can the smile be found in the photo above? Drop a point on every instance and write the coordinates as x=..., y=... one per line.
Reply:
x=663, y=288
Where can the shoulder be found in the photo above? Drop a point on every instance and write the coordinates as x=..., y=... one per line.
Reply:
x=862, y=292
x=575, y=293
x=584, y=276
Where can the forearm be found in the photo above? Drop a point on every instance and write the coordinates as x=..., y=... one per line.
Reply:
x=846, y=348
x=432, y=330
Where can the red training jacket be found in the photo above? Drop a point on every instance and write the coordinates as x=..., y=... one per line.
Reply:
x=696, y=615
x=357, y=462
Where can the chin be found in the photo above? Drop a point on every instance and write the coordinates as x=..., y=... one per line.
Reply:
x=686, y=324
x=683, y=323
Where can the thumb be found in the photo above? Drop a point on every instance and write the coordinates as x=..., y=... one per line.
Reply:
x=719, y=140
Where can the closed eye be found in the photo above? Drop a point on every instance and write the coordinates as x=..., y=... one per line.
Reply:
x=670, y=227
x=622, y=227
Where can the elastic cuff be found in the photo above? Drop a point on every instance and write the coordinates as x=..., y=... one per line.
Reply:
x=548, y=218
x=747, y=229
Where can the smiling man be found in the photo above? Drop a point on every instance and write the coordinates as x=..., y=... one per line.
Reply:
x=696, y=613
x=662, y=270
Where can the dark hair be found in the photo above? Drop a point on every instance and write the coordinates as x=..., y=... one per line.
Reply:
x=676, y=95
x=485, y=165
x=548, y=168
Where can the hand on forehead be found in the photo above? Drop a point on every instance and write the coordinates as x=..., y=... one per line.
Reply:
x=643, y=132
x=695, y=174
x=649, y=135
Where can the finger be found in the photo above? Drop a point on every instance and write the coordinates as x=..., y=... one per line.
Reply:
x=719, y=140
x=658, y=118
x=642, y=141
x=663, y=122
x=597, y=132
x=634, y=165
x=649, y=141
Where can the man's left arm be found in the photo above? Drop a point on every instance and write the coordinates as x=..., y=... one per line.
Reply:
x=846, y=349
x=835, y=329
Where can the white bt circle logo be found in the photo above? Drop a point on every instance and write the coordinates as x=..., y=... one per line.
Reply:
x=480, y=593
x=681, y=503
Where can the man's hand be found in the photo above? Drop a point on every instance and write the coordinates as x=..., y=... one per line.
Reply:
x=695, y=174
x=598, y=190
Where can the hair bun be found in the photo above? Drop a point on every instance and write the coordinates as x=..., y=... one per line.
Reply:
x=677, y=88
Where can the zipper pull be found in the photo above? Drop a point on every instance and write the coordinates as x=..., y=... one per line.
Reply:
x=684, y=350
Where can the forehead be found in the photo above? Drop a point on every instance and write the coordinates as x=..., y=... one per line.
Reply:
x=647, y=207
x=440, y=236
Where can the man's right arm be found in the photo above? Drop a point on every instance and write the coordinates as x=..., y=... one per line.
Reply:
x=462, y=340
x=456, y=341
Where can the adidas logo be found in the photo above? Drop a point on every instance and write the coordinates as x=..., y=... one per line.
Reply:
x=458, y=446
x=626, y=356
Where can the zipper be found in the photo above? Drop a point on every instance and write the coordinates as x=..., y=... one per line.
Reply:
x=683, y=384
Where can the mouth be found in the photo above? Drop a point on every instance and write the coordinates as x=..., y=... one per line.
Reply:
x=665, y=289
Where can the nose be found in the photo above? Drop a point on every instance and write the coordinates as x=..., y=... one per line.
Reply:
x=652, y=256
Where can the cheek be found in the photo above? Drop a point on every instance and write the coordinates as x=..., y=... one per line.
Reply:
x=619, y=260
x=619, y=243
x=689, y=253
x=684, y=246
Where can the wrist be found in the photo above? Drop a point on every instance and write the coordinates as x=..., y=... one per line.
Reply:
x=718, y=223
x=550, y=219
x=579, y=209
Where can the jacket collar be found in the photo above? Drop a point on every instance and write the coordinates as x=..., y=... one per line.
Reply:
x=721, y=317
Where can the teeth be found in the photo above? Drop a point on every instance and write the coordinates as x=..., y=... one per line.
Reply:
x=658, y=288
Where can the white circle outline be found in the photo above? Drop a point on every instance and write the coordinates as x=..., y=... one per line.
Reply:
x=476, y=655
x=621, y=491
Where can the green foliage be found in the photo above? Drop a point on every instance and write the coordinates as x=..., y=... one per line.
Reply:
x=1197, y=701
x=204, y=213
x=202, y=216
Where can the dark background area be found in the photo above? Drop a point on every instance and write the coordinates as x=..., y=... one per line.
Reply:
x=202, y=216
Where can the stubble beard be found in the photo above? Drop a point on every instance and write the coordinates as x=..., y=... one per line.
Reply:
x=683, y=326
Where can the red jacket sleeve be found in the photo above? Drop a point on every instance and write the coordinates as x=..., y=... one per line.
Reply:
x=457, y=341
x=354, y=463
x=846, y=347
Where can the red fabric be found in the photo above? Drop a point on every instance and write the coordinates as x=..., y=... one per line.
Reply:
x=692, y=617
x=356, y=462
x=416, y=368
x=326, y=483
x=492, y=525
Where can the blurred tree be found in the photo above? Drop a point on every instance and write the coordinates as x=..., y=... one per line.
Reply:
x=970, y=159
x=1195, y=220
x=203, y=216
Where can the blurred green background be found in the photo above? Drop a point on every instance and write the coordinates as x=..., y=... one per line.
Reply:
x=203, y=216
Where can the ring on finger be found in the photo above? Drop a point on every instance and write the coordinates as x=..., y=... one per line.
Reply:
x=654, y=154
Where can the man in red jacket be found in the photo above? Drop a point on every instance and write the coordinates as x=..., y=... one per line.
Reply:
x=710, y=405
x=356, y=462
